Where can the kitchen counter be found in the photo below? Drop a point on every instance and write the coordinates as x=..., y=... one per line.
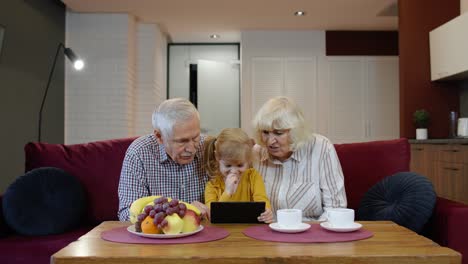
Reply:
x=462, y=141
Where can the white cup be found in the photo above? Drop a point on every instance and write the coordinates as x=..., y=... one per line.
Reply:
x=340, y=217
x=462, y=130
x=289, y=218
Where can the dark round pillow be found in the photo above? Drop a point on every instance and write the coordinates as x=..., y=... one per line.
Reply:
x=44, y=201
x=405, y=198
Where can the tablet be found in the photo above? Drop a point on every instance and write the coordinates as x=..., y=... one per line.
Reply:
x=236, y=212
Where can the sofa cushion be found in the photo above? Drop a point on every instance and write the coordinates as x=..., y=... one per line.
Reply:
x=44, y=201
x=364, y=164
x=405, y=198
x=97, y=166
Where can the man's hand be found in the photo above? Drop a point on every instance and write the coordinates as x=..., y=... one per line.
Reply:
x=231, y=183
x=266, y=217
x=205, y=212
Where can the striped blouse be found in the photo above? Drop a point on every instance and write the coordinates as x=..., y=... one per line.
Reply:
x=311, y=179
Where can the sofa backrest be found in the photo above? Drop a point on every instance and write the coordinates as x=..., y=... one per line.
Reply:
x=365, y=164
x=97, y=165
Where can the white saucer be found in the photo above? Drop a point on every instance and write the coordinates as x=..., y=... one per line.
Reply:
x=355, y=226
x=301, y=228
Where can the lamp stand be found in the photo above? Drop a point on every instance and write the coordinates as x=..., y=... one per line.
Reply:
x=51, y=73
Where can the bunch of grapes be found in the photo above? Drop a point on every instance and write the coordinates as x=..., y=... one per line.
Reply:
x=162, y=208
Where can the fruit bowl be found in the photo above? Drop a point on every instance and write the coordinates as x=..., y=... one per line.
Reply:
x=131, y=229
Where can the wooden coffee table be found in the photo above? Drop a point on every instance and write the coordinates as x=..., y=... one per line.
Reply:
x=391, y=244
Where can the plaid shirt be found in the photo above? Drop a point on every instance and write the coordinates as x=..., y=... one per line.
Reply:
x=148, y=170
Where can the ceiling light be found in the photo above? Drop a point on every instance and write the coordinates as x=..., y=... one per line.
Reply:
x=214, y=36
x=300, y=13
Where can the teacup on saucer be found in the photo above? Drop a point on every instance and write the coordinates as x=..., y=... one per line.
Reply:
x=340, y=217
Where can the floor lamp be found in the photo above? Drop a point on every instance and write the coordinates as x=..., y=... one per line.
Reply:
x=78, y=64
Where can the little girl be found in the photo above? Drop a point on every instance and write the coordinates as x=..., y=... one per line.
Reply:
x=228, y=162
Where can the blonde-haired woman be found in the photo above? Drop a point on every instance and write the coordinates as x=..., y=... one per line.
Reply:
x=301, y=170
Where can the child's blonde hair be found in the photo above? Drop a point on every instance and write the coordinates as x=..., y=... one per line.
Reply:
x=232, y=144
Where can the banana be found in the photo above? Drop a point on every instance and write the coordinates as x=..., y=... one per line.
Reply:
x=138, y=205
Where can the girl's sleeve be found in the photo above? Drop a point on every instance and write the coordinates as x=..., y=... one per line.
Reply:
x=258, y=187
x=210, y=194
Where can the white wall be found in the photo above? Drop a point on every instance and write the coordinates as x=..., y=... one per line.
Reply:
x=124, y=78
x=151, y=75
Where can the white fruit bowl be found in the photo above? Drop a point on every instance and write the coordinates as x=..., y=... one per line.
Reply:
x=131, y=229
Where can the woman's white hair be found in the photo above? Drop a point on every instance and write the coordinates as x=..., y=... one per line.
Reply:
x=170, y=112
x=281, y=113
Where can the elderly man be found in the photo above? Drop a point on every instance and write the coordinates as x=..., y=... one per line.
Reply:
x=168, y=162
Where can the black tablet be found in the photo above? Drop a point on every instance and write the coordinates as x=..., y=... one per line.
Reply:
x=236, y=212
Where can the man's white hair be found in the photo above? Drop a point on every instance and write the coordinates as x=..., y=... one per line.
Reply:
x=170, y=112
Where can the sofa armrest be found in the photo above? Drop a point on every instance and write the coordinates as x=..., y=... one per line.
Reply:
x=448, y=228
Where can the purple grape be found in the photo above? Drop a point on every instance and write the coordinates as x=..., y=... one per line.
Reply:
x=163, y=223
x=181, y=213
x=158, y=208
x=165, y=206
x=159, y=217
x=174, y=202
x=141, y=217
x=182, y=206
x=155, y=222
x=148, y=208
x=170, y=210
x=152, y=213
x=158, y=201
x=163, y=199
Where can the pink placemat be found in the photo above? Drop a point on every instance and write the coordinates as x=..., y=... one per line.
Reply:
x=314, y=234
x=121, y=235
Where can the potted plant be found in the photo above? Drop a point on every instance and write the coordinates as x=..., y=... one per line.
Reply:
x=421, y=120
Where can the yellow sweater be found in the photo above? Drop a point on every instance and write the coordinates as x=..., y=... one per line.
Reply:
x=250, y=189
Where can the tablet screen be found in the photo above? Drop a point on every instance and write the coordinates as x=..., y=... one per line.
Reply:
x=236, y=212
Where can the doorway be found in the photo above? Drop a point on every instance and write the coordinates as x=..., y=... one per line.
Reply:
x=209, y=76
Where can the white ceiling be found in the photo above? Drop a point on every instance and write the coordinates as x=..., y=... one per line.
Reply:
x=196, y=20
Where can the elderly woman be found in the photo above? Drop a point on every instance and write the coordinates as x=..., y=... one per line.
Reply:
x=301, y=170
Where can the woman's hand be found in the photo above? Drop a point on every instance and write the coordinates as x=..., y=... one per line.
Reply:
x=266, y=217
x=231, y=182
x=205, y=212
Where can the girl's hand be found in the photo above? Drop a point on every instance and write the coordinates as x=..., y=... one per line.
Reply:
x=266, y=216
x=231, y=183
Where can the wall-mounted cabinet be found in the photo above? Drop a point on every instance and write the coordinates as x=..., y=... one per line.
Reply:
x=449, y=55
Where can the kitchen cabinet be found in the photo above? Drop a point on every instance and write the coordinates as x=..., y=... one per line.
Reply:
x=446, y=165
x=448, y=53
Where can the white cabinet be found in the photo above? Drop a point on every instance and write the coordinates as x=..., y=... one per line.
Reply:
x=448, y=47
x=347, y=99
x=360, y=98
x=292, y=77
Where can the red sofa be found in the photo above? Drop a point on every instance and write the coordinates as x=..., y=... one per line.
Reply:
x=97, y=165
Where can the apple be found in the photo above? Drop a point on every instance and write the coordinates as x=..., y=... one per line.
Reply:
x=191, y=221
x=174, y=224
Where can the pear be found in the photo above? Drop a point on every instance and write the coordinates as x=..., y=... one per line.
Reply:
x=174, y=224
